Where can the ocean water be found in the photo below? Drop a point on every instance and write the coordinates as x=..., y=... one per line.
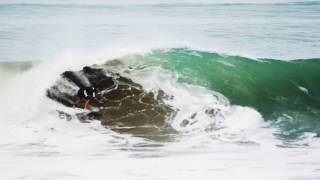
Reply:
x=258, y=62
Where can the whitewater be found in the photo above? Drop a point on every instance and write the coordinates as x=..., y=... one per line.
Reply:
x=255, y=63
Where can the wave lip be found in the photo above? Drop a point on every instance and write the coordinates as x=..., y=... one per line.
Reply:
x=285, y=93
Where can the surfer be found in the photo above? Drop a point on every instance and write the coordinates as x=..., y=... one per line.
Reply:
x=87, y=93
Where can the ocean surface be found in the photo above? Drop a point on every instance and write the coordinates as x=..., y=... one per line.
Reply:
x=258, y=62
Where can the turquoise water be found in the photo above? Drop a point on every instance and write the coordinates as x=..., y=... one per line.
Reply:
x=254, y=64
x=285, y=93
x=285, y=90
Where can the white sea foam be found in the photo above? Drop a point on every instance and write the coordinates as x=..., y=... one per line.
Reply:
x=234, y=144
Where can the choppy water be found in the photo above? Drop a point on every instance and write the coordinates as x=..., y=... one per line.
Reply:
x=281, y=31
x=258, y=63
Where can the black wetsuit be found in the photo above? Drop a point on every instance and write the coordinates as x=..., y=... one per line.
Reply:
x=87, y=93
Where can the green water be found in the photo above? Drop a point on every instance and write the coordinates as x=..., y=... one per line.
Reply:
x=286, y=93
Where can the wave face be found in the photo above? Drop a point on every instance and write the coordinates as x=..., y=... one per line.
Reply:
x=217, y=129
x=285, y=93
x=211, y=127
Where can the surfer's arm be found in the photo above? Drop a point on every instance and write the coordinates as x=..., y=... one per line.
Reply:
x=86, y=105
x=77, y=102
